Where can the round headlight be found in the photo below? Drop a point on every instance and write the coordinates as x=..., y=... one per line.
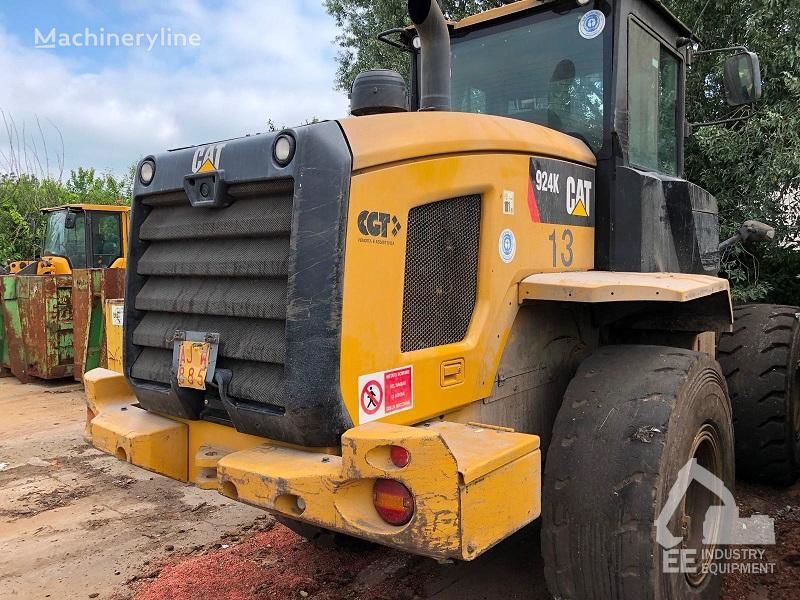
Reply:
x=147, y=171
x=283, y=150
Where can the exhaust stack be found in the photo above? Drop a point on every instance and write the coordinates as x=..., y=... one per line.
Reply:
x=435, y=69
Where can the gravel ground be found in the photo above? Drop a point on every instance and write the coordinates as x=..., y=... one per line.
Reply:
x=75, y=523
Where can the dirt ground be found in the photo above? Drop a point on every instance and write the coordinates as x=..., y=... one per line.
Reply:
x=75, y=523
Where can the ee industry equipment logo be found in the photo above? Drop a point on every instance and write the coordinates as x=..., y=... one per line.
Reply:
x=727, y=538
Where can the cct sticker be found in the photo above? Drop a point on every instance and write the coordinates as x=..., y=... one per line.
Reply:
x=385, y=393
x=507, y=246
x=592, y=24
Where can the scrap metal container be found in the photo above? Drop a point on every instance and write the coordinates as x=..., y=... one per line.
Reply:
x=114, y=316
x=12, y=328
x=44, y=303
x=90, y=290
x=5, y=364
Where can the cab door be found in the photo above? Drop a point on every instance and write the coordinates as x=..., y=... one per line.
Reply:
x=105, y=238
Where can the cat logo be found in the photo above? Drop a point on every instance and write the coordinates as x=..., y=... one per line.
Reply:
x=207, y=158
x=579, y=196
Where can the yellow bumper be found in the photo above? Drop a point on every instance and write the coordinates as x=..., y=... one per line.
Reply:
x=472, y=485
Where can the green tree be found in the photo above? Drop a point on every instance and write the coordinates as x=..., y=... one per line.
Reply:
x=752, y=167
x=86, y=186
x=360, y=22
x=21, y=198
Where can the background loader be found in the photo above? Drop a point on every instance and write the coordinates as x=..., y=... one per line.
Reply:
x=490, y=300
x=52, y=308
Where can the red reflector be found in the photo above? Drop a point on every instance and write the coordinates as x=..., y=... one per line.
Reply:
x=393, y=501
x=400, y=456
x=89, y=414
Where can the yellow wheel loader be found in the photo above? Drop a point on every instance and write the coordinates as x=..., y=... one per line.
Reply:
x=491, y=300
x=80, y=236
x=51, y=309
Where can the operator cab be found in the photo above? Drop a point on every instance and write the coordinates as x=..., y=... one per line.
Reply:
x=86, y=238
x=611, y=73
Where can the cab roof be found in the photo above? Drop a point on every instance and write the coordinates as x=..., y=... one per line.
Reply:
x=99, y=207
x=524, y=5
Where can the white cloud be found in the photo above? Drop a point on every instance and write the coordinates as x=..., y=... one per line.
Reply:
x=255, y=61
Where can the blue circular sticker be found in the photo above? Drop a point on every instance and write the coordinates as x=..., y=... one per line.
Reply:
x=508, y=246
x=592, y=24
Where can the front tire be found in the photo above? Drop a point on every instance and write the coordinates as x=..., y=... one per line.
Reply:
x=632, y=417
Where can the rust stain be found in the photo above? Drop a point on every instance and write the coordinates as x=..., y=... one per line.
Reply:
x=90, y=289
x=44, y=339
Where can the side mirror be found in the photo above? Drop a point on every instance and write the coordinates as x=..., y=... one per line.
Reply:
x=742, y=79
x=754, y=231
x=69, y=221
x=757, y=231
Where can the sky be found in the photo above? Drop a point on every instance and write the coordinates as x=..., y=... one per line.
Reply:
x=112, y=104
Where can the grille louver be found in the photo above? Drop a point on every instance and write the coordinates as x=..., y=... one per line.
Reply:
x=221, y=270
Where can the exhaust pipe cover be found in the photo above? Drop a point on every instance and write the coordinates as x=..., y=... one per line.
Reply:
x=435, y=68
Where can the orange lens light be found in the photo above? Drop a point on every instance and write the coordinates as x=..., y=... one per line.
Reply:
x=393, y=501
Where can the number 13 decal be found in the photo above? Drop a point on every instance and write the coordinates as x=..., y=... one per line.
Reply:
x=566, y=254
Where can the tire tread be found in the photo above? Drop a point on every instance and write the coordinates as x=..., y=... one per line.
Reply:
x=756, y=358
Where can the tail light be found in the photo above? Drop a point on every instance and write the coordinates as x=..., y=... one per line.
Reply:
x=393, y=501
x=400, y=456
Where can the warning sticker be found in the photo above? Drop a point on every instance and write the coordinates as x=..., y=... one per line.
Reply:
x=117, y=314
x=384, y=393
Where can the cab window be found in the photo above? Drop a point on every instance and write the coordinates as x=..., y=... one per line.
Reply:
x=106, y=239
x=65, y=236
x=653, y=73
x=539, y=69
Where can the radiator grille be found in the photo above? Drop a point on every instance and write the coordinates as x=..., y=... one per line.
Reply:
x=218, y=270
x=441, y=272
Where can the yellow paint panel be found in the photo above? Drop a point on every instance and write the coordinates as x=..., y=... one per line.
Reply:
x=53, y=265
x=211, y=442
x=459, y=475
x=496, y=13
x=113, y=316
x=382, y=139
x=371, y=339
x=144, y=439
x=603, y=286
x=106, y=388
x=480, y=450
x=502, y=502
x=454, y=517
x=17, y=266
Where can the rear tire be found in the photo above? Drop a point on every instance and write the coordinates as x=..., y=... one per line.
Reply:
x=760, y=361
x=632, y=417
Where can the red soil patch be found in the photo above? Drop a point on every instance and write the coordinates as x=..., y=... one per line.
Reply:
x=279, y=564
x=275, y=563
x=783, y=505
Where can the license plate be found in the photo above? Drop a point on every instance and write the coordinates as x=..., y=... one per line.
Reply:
x=193, y=364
